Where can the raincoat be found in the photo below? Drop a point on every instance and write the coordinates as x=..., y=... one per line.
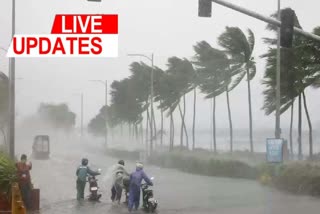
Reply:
x=135, y=184
x=119, y=173
x=82, y=173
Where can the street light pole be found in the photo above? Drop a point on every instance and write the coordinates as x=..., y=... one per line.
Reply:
x=151, y=102
x=106, y=116
x=81, y=114
x=278, y=76
x=12, y=93
x=106, y=104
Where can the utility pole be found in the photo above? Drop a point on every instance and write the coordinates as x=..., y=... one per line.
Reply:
x=105, y=83
x=278, y=85
x=81, y=114
x=12, y=92
x=106, y=103
x=151, y=102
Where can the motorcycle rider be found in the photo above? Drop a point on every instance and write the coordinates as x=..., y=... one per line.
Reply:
x=135, y=183
x=119, y=174
x=82, y=172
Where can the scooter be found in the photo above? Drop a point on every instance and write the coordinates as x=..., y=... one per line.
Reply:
x=149, y=202
x=93, y=187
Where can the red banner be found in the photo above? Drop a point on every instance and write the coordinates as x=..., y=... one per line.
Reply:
x=85, y=24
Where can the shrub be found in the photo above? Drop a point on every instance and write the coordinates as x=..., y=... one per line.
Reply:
x=7, y=173
x=300, y=178
x=210, y=167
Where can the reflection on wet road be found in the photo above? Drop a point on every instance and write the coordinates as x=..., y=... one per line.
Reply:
x=176, y=192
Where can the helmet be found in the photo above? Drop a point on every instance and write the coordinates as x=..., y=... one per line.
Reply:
x=84, y=161
x=139, y=165
x=121, y=162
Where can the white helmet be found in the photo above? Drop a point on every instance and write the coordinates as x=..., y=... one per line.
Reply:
x=139, y=165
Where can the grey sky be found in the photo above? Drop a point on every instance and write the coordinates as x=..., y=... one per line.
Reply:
x=165, y=27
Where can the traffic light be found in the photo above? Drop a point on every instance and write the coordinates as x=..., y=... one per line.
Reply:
x=205, y=7
x=286, y=29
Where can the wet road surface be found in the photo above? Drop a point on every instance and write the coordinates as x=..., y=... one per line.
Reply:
x=177, y=192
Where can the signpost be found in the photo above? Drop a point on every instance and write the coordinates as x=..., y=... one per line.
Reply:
x=275, y=150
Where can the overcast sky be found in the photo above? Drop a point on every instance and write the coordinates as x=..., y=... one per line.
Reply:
x=165, y=27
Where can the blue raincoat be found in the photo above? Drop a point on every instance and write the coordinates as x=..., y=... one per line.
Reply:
x=135, y=184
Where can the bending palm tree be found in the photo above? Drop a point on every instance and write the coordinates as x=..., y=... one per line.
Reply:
x=217, y=74
x=240, y=48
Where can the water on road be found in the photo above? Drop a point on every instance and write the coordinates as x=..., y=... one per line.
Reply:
x=177, y=192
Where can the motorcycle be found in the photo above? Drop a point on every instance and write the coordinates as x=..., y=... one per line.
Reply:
x=149, y=202
x=93, y=187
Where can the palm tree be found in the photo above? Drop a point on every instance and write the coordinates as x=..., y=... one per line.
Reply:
x=208, y=79
x=128, y=102
x=181, y=70
x=140, y=74
x=167, y=92
x=300, y=68
x=240, y=48
x=217, y=73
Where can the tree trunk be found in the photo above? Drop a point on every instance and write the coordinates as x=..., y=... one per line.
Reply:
x=112, y=133
x=129, y=131
x=147, y=132
x=171, y=131
x=170, y=137
x=154, y=128
x=230, y=121
x=141, y=132
x=136, y=132
x=184, y=123
x=299, y=130
x=181, y=129
x=214, y=125
x=250, y=111
x=132, y=131
x=291, y=125
x=161, y=141
x=310, y=126
x=194, y=118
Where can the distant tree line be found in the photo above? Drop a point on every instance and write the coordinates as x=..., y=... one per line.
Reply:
x=58, y=116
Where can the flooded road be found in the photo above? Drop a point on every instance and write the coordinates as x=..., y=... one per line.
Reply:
x=177, y=192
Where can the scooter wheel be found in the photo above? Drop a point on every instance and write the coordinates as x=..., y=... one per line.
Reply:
x=151, y=208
